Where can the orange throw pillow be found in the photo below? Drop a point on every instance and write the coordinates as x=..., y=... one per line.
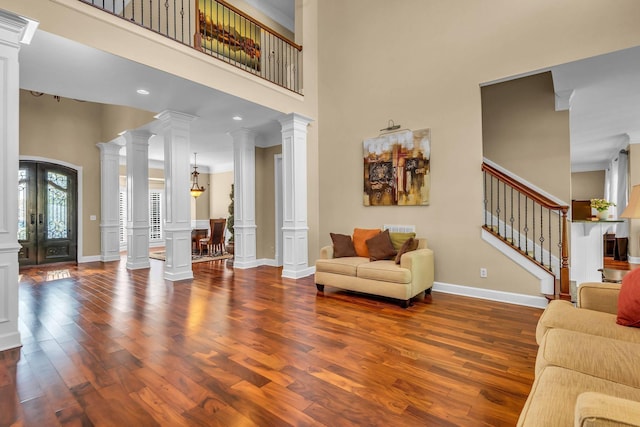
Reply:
x=360, y=237
x=629, y=300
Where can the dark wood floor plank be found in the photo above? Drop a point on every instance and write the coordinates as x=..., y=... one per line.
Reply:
x=104, y=346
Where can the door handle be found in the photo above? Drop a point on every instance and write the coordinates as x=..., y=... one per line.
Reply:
x=40, y=218
x=33, y=219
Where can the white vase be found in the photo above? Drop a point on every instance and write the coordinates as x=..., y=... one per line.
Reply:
x=603, y=215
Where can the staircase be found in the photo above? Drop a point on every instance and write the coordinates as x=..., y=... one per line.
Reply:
x=528, y=227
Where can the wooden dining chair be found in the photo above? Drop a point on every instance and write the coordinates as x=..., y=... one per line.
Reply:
x=215, y=242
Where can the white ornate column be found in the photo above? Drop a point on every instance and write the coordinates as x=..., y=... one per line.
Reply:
x=174, y=129
x=137, y=198
x=14, y=30
x=244, y=206
x=110, y=200
x=295, y=230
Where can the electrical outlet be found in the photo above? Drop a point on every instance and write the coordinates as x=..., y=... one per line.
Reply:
x=483, y=273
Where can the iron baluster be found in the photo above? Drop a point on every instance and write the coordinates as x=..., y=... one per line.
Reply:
x=526, y=225
x=511, y=219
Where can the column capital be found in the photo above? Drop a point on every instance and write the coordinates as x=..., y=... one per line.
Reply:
x=109, y=148
x=294, y=120
x=16, y=29
x=243, y=135
x=137, y=136
x=634, y=137
x=169, y=116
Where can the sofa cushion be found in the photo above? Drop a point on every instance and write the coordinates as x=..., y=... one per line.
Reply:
x=601, y=357
x=342, y=245
x=346, y=266
x=563, y=315
x=380, y=247
x=360, y=237
x=397, y=239
x=384, y=271
x=409, y=245
x=554, y=393
x=629, y=300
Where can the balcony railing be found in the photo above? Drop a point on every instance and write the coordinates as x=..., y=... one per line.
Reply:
x=218, y=29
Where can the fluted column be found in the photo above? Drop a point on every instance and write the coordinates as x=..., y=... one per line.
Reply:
x=244, y=207
x=174, y=129
x=14, y=30
x=295, y=231
x=109, y=199
x=137, y=143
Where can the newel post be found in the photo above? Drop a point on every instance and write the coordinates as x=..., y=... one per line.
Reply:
x=564, y=292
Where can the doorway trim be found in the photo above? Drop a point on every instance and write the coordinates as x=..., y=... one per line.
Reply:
x=277, y=162
x=80, y=257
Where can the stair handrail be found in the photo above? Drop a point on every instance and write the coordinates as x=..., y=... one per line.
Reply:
x=530, y=192
x=562, y=285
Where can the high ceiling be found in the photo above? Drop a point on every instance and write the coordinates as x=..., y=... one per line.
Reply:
x=603, y=94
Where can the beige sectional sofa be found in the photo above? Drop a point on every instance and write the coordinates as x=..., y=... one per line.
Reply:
x=587, y=369
x=384, y=278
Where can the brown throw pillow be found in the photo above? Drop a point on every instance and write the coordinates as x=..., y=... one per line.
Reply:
x=629, y=300
x=342, y=245
x=380, y=247
x=360, y=236
x=409, y=245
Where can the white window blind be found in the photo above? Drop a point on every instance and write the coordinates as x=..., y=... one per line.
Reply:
x=155, y=216
x=123, y=216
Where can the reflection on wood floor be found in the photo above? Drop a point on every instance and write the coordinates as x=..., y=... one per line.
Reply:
x=108, y=346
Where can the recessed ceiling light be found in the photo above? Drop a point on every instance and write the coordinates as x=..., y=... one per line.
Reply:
x=143, y=91
x=237, y=118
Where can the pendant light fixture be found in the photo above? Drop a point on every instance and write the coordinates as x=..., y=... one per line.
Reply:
x=195, y=190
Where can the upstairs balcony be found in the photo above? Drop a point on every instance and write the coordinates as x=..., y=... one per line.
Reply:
x=220, y=30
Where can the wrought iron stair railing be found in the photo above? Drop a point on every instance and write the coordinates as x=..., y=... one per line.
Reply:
x=530, y=223
x=218, y=29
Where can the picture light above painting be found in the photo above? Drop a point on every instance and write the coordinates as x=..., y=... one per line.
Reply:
x=397, y=168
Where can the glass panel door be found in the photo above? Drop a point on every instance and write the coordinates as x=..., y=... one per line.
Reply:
x=47, y=227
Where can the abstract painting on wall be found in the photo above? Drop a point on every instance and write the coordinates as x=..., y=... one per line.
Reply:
x=223, y=32
x=397, y=169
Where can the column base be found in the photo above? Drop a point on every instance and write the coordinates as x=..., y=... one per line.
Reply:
x=177, y=265
x=10, y=340
x=298, y=274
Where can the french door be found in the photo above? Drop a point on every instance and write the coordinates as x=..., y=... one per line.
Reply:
x=47, y=213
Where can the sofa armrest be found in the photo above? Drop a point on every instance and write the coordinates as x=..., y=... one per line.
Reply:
x=326, y=252
x=599, y=296
x=597, y=409
x=420, y=263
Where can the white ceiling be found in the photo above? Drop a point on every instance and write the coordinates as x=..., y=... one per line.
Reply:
x=604, y=102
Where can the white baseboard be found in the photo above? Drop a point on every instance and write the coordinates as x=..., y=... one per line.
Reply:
x=10, y=340
x=633, y=260
x=268, y=262
x=489, y=294
x=92, y=258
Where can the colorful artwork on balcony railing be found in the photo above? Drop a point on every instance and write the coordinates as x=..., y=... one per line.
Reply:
x=226, y=33
x=397, y=169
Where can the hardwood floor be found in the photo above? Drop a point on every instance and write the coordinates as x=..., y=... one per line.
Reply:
x=105, y=346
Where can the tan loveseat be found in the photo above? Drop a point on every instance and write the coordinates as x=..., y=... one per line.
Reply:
x=588, y=367
x=384, y=278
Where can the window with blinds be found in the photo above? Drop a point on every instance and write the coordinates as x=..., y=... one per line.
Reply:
x=123, y=217
x=155, y=216
x=156, y=231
